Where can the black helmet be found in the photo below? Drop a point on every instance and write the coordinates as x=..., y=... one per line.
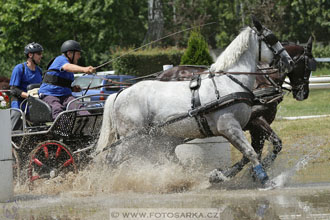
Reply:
x=33, y=48
x=70, y=45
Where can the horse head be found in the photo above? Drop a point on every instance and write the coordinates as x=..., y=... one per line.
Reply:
x=304, y=64
x=274, y=45
x=262, y=45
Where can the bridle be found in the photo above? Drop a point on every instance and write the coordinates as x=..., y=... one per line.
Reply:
x=270, y=40
x=309, y=64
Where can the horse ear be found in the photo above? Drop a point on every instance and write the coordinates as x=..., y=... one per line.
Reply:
x=256, y=23
x=310, y=44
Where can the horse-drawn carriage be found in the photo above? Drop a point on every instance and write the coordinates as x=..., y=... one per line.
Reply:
x=225, y=100
x=46, y=148
x=218, y=102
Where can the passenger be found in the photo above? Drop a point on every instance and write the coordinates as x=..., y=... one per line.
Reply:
x=23, y=75
x=56, y=86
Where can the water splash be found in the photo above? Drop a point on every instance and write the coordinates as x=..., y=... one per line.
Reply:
x=284, y=177
x=131, y=176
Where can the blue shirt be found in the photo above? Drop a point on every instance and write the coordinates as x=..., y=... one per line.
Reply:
x=22, y=80
x=53, y=90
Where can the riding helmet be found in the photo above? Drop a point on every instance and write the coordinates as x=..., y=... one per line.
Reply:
x=70, y=45
x=33, y=48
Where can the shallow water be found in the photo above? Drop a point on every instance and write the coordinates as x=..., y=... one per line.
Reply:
x=295, y=202
x=301, y=176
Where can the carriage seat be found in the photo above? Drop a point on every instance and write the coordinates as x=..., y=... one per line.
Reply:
x=33, y=86
x=39, y=111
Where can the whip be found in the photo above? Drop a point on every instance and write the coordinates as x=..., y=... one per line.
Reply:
x=152, y=42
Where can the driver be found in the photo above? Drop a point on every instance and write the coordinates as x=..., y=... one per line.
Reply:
x=56, y=86
x=23, y=75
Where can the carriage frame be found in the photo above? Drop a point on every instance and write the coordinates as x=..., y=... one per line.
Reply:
x=46, y=148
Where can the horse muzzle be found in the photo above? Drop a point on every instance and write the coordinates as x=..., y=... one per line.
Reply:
x=300, y=92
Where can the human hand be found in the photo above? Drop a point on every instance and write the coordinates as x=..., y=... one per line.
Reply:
x=76, y=88
x=33, y=93
x=89, y=70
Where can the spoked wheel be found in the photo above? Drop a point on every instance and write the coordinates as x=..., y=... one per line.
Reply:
x=50, y=159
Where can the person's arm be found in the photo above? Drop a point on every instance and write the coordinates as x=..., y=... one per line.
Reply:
x=15, y=91
x=69, y=67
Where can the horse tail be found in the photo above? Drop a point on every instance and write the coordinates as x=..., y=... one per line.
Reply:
x=108, y=131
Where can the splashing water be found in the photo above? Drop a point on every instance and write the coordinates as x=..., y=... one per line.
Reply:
x=131, y=176
x=284, y=177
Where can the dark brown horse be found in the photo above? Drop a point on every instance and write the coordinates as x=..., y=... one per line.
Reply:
x=268, y=90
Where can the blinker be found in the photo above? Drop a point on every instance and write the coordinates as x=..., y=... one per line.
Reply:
x=271, y=39
x=311, y=63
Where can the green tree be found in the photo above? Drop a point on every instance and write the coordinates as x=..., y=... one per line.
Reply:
x=98, y=25
x=197, y=52
x=104, y=25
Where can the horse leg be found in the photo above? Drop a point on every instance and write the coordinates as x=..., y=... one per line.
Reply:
x=257, y=141
x=271, y=136
x=232, y=130
x=259, y=130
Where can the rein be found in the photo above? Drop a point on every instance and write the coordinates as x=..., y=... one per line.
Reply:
x=249, y=73
x=113, y=82
x=242, y=73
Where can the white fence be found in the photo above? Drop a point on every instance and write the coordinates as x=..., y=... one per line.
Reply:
x=319, y=82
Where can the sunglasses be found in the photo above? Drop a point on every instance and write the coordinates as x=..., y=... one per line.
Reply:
x=39, y=53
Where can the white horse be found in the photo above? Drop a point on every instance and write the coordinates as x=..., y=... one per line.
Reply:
x=148, y=104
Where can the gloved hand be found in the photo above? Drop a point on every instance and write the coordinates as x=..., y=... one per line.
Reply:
x=33, y=92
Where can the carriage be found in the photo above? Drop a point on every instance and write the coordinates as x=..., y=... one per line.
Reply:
x=46, y=148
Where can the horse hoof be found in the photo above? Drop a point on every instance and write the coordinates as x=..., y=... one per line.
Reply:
x=268, y=185
x=260, y=174
x=216, y=176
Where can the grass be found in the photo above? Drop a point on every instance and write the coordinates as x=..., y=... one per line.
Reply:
x=318, y=103
x=304, y=137
x=321, y=71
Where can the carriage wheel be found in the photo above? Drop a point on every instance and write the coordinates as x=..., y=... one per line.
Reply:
x=16, y=166
x=49, y=159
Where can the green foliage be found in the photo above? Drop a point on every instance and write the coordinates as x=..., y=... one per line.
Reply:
x=97, y=25
x=322, y=51
x=197, y=52
x=145, y=62
x=102, y=25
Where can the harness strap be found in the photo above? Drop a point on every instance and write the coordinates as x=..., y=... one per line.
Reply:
x=271, y=81
x=203, y=126
x=239, y=83
x=224, y=101
x=217, y=93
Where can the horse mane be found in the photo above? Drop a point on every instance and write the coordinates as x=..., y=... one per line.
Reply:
x=233, y=51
